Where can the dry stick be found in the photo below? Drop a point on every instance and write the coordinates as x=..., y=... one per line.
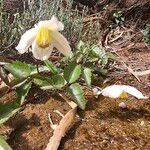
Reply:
x=116, y=38
x=142, y=73
x=132, y=72
x=129, y=69
x=64, y=125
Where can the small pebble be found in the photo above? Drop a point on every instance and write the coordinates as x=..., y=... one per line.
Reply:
x=122, y=105
x=142, y=123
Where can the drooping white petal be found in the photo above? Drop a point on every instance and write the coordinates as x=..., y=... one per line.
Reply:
x=41, y=53
x=115, y=91
x=26, y=40
x=61, y=43
x=133, y=91
x=53, y=24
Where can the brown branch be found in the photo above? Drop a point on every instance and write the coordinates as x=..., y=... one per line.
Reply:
x=64, y=125
x=142, y=73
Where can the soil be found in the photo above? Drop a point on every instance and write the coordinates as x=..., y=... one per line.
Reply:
x=103, y=125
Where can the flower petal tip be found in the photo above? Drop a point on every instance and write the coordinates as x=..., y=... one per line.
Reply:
x=116, y=91
x=19, y=49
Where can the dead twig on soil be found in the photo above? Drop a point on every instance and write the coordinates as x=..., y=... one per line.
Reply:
x=64, y=125
x=132, y=72
x=142, y=73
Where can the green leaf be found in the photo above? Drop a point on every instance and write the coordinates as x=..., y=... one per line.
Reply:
x=51, y=67
x=80, y=45
x=22, y=92
x=90, y=65
x=3, y=144
x=97, y=51
x=111, y=56
x=56, y=82
x=87, y=72
x=41, y=81
x=7, y=110
x=101, y=53
x=146, y=33
x=100, y=70
x=19, y=69
x=78, y=95
x=40, y=69
x=72, y=72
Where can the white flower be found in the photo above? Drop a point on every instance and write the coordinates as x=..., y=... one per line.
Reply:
x=43, y=38
x=121, y=91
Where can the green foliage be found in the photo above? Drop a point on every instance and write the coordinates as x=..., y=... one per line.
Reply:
x=41, y=81
x=72, y=72
x=87, y=72
x=39, y=70
x=86, y=60
x=7, y=110
x=58, y=81
x=49, y=83
x=51, y=67
x=100, y=54
x=78, y=95
x=22, y=92
x=19, y=69
x=146, y=33
x=3, y=144
x=92, y=56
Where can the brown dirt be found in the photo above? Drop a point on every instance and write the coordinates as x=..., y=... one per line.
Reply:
x=103, y=125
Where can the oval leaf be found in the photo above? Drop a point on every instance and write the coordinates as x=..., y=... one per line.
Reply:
x=51, y=67
x=72, y=72
x=22, y=92
x=78, y=95
x=58, y=81
x=87, y=72
x=41, y=81
x=3, y=144
x=19, y=69
x=7, y=110
x=55, y=82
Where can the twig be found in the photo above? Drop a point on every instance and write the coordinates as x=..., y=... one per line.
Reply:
x=59, y=113
x=92, y=18
x=52, y=125
x=116, y=38
x=132, y=72
x=64, y=125
x=142, y=73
